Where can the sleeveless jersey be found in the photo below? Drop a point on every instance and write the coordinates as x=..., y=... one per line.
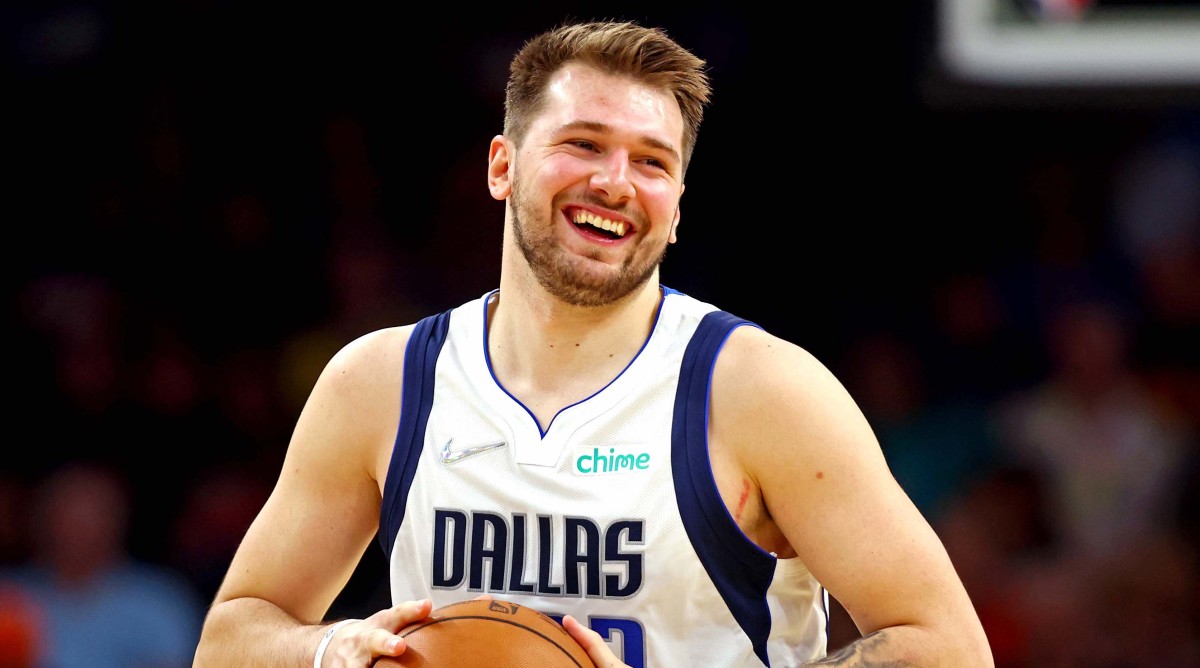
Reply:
x=611, y=514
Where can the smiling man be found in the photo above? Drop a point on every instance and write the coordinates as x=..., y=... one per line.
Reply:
x=677, y=485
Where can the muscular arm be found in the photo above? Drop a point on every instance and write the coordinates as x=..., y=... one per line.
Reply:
x=322, y=514
x=819, y=488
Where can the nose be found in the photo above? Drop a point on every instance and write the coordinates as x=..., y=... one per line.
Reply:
x=612, y=177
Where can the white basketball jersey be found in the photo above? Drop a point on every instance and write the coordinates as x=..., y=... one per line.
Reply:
x=610, y=515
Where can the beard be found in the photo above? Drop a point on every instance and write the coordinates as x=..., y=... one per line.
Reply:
x=566, y=275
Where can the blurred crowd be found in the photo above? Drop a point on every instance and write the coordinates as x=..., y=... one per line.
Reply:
x=173, y=306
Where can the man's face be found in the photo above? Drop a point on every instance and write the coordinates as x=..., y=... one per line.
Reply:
x=596, y=185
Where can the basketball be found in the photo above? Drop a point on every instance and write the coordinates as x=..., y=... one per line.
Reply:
x=491, y=633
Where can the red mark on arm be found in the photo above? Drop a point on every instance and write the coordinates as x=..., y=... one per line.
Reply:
x=820, y=475
x=741, y=504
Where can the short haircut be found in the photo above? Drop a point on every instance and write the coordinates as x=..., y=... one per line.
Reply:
x=615, y=47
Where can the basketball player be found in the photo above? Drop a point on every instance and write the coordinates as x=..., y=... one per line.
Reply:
x=679, y=486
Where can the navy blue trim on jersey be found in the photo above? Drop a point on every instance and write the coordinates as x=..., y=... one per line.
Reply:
x=740, y=570
x=416, y=400
x=825, y=606
x=487, y=356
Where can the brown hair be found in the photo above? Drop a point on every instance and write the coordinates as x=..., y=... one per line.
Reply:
x=646, y=54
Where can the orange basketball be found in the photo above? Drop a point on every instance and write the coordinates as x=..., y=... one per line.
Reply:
x=495, y=634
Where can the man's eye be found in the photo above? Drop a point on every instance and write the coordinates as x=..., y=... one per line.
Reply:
x=585, y=145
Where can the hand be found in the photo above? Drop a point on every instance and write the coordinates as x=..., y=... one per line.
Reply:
x=357, y=645
x=591, y=642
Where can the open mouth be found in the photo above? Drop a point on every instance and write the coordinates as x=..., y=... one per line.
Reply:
x=599, y=226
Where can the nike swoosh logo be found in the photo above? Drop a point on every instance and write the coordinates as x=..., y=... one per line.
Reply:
x=451, y=455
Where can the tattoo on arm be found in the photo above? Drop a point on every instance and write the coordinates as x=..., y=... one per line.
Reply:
x=864, y=653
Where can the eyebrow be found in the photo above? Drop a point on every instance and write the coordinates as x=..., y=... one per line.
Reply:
x=604, y=128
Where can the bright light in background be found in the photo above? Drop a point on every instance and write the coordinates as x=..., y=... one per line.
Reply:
x=1071, y=42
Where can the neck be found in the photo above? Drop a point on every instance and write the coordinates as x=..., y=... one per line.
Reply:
x=551, y=354
x=532, y=324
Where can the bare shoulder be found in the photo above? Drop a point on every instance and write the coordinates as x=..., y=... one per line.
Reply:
x=355, y=402
x=372, y=357
x=761, y=349
x=783, y=416
x=757, y=370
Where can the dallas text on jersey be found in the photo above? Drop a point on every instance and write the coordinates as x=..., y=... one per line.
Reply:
x=478, y=547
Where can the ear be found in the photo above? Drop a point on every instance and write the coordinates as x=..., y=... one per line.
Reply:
x=500, y=167
x=675, y=223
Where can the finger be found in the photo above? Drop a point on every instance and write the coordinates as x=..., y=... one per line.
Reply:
x=408, y=612
x=592, y=643
x=384, y=640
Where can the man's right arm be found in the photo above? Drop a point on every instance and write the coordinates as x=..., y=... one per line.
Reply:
x=323, y=513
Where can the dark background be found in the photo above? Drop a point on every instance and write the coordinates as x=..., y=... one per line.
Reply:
x=209, y=198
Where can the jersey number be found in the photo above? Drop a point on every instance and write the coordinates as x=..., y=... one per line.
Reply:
x=632, y=649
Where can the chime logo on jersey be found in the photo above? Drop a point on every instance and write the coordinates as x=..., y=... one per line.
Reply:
x=606, y=460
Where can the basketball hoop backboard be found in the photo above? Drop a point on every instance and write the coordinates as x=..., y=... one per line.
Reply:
x=1071, y=42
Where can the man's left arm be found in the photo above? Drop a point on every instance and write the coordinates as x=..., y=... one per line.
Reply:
x=801, y=441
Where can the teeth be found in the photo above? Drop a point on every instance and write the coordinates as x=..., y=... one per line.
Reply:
x=616, y=227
